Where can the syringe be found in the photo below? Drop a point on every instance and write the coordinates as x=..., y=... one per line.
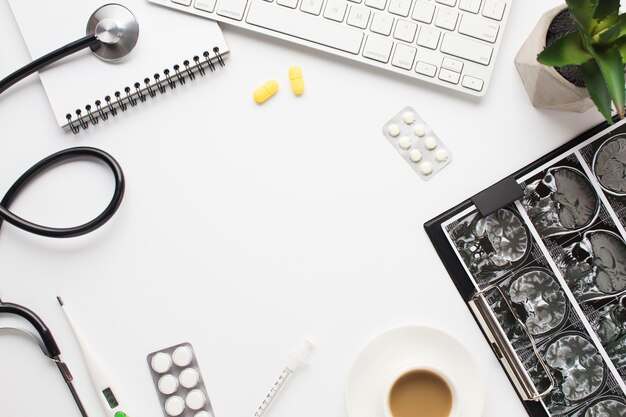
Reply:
x=297, y=357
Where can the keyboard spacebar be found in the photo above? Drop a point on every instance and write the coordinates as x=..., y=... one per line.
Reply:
x=283, y=20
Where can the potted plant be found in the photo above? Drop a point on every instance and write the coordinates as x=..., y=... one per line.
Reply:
x=582, y=51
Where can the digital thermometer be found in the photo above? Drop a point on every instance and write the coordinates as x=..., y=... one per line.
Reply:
x=99, y=377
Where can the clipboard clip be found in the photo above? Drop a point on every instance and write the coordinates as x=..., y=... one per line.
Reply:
x=499, y=195
x=503, y=349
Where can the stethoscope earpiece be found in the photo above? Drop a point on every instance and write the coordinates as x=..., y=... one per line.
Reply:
x=117, y=30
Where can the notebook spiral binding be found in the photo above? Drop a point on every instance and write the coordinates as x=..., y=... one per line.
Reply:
x=139, y=92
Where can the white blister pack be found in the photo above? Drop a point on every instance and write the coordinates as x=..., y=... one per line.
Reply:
x=417, y=143
x=178, y=382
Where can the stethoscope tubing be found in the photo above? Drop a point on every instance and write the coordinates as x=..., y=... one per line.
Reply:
x=66, y=155
x=46, y=60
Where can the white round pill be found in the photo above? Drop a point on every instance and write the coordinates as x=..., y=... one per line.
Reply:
x=161, y=362
x=189, y=378
x=393, y=130
x=196, y=399
x=419, y=130
x=441, y=155
x=168, y=384
x=430, y=143
x=182, y=356
x=426, y=168
x=404, y=142
x=174, y=406
x=408, y=118
x=202, y=414
x=415, y=155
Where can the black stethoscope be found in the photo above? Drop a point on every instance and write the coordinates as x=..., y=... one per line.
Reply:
x=112, y=33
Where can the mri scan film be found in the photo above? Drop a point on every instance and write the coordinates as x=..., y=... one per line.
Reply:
x=609, y=165
x=580, y=370
x=545, y=276
x=563, y=201
x=542, y=298
x=493, y=245
x=595, y=266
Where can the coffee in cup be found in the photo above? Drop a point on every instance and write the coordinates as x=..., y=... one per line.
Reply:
x=420, y=393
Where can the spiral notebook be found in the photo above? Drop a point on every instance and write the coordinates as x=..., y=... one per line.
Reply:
x=172, y=50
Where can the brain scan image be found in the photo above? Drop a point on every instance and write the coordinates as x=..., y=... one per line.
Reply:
x=596, y=266
x=492, y=244
x=607, y=408
x=609, y=165
x=564, y=201
x=610, y=326
x=508, y=322
x=579, y=365
x=542, y=298
x=617, y=352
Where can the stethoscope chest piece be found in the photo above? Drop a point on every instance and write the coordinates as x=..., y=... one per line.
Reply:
x=117, y=30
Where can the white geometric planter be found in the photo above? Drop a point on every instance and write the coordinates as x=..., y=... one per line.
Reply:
x=546, y=88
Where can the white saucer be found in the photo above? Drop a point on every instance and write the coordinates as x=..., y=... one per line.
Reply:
x=400, y=348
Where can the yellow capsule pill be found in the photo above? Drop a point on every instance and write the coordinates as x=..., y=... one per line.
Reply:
x=297, y=82
x=265, y=91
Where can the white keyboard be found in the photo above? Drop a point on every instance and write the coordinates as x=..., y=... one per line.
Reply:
x=451, y=43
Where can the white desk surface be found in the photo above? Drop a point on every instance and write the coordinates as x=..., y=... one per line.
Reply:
x=246, y=228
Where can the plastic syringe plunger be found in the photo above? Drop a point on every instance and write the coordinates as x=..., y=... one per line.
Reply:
x=299, y=355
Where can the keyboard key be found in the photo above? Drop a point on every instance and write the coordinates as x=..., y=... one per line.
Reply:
x=446, y=18
x=405, y=31
x=472, y=83
x=425, y=68
x=356, y=1
x=494, y=9
x=400, y=7
x=381, y=23
x=335, y=10
x=377, y=48
x=205, y=5
x=423, y=12
x=466, y=48
x=232, y=9
x=452, y=64
x=376, y=4
x=449, y=76
x=471, y=6
x=303, y=26
x=183, y=2
x=358, y=17
x=403, y=56
x=479, y=28
x=450, y=3
x=312, y=6
x=428, y=37
x=288, y=3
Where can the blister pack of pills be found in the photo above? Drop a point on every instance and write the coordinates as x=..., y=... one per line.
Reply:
x=178, y=382
x=417, y=143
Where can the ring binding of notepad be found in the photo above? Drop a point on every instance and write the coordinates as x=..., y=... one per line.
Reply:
x=141, y=91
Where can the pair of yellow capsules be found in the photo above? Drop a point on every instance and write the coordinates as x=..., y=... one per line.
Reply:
x=270, y=88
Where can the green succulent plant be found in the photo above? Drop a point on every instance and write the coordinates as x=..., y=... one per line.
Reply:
x=599, y=48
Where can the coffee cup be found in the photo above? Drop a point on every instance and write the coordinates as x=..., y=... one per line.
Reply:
x=421, y=391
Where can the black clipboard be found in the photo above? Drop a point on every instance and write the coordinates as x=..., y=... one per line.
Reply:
x=492, y=199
